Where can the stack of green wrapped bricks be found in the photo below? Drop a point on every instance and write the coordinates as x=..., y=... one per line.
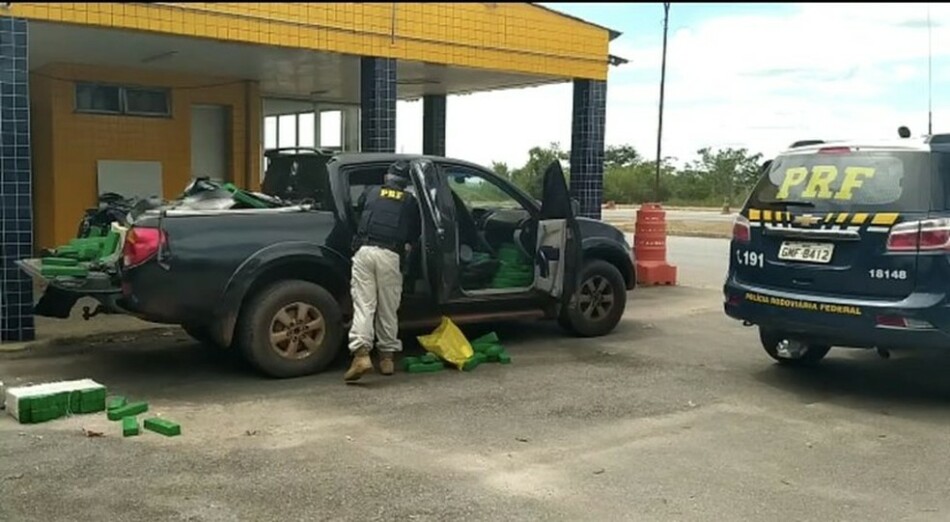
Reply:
x=487, y=349
x=73, y=259
x=121, y=410
x=57, y=404
x=45, y=402
x=515, y=270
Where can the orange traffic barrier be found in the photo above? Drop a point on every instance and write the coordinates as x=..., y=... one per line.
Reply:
x=649, y=247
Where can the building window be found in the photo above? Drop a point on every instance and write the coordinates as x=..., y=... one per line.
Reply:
x=146, y=102
x=98, y=98
x=112, y=99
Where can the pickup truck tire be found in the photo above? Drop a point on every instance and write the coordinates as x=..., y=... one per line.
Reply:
x=600, y=300
x=290, y=329
x=199, y=332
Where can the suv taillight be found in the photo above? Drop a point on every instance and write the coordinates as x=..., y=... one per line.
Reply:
x=930, y=234
x=141, y=244
x=741, y=230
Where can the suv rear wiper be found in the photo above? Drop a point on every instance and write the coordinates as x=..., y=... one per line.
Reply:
x=807, y=204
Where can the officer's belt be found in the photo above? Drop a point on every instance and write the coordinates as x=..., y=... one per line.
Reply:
x=388, y=245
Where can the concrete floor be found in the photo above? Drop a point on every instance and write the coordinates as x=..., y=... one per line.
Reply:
x=678, y=415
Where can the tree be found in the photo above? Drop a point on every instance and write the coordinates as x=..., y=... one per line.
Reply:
x=501, y=169
x=731, y=171
x=714, y=176
x=530, y=177
x=621, y=156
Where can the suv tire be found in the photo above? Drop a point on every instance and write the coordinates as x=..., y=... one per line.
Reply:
x=291, y=329
x=770, y=340
x=592, y=315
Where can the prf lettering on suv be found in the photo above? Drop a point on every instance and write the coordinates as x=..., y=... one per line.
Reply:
x=845, y=244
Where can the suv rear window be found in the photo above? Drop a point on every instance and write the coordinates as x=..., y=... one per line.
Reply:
x=843, y=181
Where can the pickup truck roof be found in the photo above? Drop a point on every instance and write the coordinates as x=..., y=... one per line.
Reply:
x=356, y=158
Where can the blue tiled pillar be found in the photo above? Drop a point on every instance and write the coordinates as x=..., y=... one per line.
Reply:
x=587, y=145
x=16, y=192
x=377, y=104
x=433, y=124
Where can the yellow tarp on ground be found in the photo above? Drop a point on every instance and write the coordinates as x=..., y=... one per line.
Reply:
x=448, y=343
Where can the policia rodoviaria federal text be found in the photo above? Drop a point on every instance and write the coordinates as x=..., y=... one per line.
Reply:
x=389, y=221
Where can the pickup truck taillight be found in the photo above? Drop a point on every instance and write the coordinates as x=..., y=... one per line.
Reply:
x=141, y=244
x=930, y=234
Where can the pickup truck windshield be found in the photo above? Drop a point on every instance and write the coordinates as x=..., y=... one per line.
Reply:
x=846, y=181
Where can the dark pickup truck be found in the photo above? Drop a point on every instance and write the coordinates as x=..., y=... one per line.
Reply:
x=274, y=283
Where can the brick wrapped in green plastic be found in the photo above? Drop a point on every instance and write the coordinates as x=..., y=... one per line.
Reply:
x=163, y=426
x=494, y=352
x=116, y=402
x=129, y=410
x=130, y=427
x=409, y=361
x=59, y=261
x=474, y=362
x=426, y=367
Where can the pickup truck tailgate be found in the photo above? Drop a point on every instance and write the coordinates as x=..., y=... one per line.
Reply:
x=62, y=291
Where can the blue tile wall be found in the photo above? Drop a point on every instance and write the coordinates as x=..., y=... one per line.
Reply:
x=587, y=145
x=377, y=104
x=433, y=124
x=16, y=191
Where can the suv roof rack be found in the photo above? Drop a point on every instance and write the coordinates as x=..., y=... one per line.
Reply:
x=805, y=143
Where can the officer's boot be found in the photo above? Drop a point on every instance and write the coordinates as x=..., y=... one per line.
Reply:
x=386, y=364
x=361, y=364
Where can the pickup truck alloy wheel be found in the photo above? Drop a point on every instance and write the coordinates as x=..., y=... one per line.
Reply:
x=290, y=328
x=595, y=298
x=297, y=331
x=599, y=300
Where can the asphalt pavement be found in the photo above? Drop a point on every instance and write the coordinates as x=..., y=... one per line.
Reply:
x=677, y=415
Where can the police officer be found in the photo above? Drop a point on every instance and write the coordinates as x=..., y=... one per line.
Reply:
x=389, y=221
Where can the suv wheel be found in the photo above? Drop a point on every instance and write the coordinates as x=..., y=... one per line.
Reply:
x=599, y=301
x=290, y=329
x=789, y=352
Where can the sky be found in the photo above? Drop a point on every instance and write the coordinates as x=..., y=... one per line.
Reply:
x=758, y=76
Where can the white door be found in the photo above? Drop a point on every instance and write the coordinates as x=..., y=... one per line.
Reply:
x=210, y=125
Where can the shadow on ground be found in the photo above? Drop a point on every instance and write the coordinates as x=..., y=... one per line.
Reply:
x=860, y=378
x=167, y=363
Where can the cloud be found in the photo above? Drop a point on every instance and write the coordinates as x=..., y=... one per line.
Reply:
x=759, y=81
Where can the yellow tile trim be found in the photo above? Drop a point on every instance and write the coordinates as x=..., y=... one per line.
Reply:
x=507, y=37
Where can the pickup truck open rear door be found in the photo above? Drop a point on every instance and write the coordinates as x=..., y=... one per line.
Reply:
x=440, y=259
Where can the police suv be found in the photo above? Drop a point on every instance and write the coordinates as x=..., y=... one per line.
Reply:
x=846, y=244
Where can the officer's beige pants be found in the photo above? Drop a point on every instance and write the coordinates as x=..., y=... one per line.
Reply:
x=376, y=288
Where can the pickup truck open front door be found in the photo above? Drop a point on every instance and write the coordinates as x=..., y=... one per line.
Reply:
x=440, y=256
x=558, y=253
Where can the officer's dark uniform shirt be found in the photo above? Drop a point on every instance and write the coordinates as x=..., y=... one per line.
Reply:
x=389, y=219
